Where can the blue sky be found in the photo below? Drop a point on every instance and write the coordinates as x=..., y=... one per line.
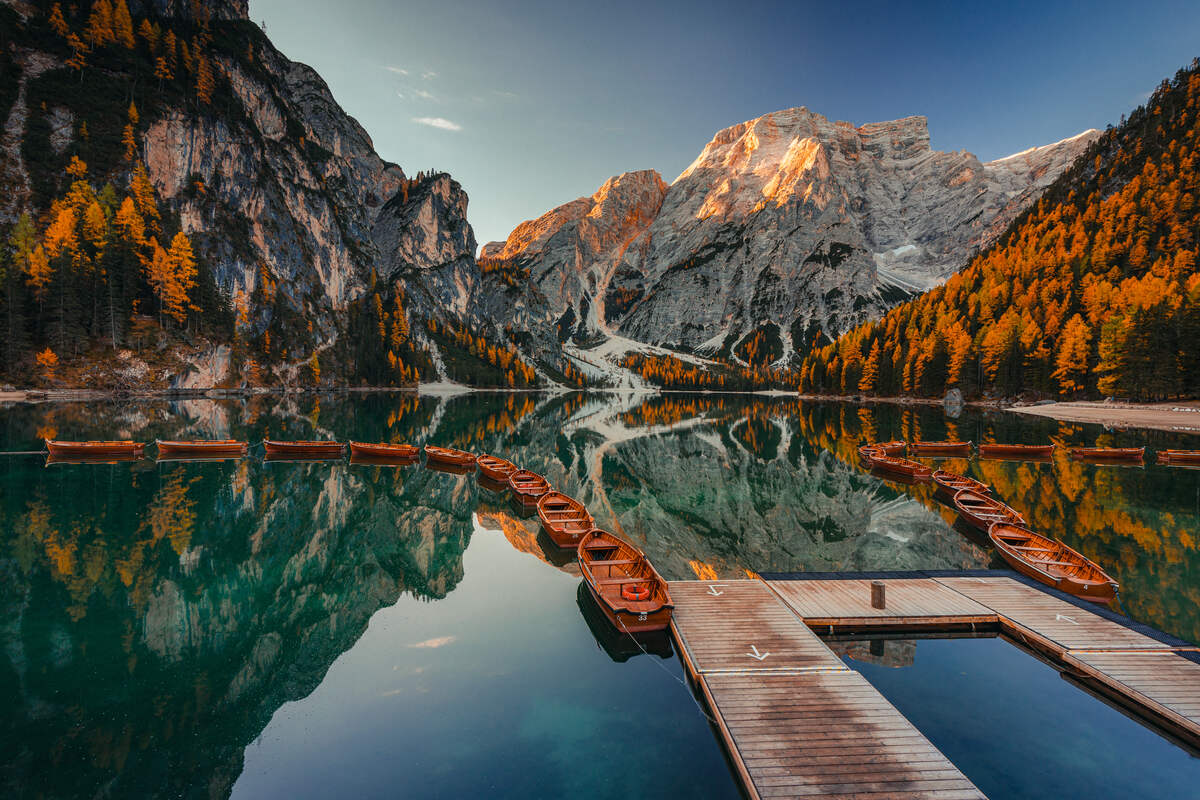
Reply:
x=531, y=104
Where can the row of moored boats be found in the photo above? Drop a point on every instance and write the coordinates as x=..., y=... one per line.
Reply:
x=1031, y=553
x=630, y=592
x=1032, y=452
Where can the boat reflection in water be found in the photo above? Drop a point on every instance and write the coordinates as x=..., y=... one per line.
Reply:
x=620, y=646
x=114, y=458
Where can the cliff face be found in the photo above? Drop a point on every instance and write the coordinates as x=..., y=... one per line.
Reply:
x=284, y=198
x=573, y=251
x=788, y=219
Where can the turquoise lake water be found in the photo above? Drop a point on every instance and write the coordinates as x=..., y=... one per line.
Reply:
x=254, y=629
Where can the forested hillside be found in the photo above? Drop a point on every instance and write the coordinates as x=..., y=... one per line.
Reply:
x=181, y=205
x=1093, y=291
x=94, y=255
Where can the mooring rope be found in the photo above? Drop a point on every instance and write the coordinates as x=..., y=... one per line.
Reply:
x=672, y=676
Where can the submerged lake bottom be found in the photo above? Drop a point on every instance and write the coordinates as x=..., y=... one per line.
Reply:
x=255, y=629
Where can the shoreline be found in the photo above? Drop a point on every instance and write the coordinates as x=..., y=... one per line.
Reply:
x=1178, y=417
x=1172, y=417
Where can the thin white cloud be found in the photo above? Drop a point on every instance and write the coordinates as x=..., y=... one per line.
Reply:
x=397, y=70
x=440, y=641
x=428, y=75
x=438, y=122
x=424, y=95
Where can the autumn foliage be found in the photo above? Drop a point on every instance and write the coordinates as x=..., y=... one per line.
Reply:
x=1093, y=291
x=671, y=372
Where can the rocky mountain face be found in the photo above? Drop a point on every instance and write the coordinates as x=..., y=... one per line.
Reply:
x=789, y=221
x=281, y=191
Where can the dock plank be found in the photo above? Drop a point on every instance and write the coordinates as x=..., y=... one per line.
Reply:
x=723, y=623
x=910, y=602
x=844, y=739
x=1162, y=681
x=1026, y=611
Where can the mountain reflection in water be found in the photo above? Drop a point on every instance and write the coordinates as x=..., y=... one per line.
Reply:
x=154, y=617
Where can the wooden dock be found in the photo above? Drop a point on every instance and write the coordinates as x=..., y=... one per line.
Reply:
x=797, y=722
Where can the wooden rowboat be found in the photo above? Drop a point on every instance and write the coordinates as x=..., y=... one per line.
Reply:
x=950, y=484
x=304, y=449
x=564, y=519
x=940, y=448
x=981, y=510
x=384, y=451
x=896, y=448
x=902, y=466
x=527, y=487
x=201, y=447
x=1108, y=453
x=1052, y=562
x=449, y=456
x=618, y=645
x=94, y=449
x=630, y=592
x=1016, y=450
x=496, y=469
x=1190, y=457
x=868, y=451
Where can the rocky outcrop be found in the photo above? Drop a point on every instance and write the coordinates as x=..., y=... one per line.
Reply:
x=282, y=193
x=572, y=252
x=789, y=219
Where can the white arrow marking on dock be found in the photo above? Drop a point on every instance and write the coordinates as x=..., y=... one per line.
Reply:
x=1064, y=616
x=756, y=654
x=712, y=589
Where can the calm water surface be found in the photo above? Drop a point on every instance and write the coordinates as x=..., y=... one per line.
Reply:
x=310, y=629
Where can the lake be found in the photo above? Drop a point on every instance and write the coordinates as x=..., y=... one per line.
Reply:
x=290, y=629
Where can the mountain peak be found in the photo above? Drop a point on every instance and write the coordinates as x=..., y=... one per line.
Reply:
x=763, y=141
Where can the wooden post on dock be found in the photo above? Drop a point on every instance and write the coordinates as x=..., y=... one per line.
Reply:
x=878, y=599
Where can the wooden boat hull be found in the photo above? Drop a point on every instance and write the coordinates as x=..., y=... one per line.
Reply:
x=609, y=565
x=981, y=511
x=319, y=450
x=903, y=467
x=564, y=519
x=1017, y=451
x=1189, y=458
x=896, y=448
x=384, y=452
x=868, y=452
x=527, y=487
x=1109, y=453
x=1068, y=571
x=221, y=447
x=495, y=469
x=618, y=645
x=949, y=484
x=631, y=622
x=95, y=449
x=940, y=448
x=448, y=457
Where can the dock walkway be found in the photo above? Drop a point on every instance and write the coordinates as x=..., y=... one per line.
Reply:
x=797, y=722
